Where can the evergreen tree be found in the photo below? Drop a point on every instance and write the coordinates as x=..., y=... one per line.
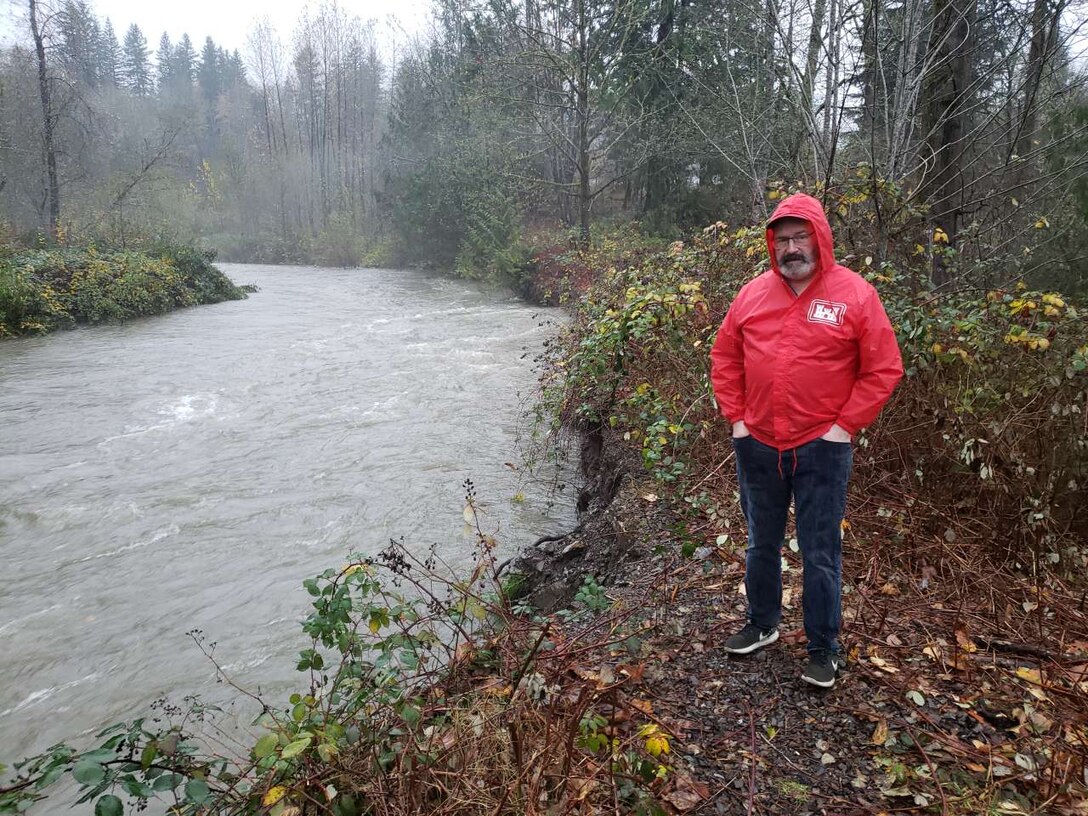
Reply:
x=164, y=60
x=235, y=71
x=135, y=62
x=79, y=44
x=185, y=60
x=109, y=57
x=210, y=72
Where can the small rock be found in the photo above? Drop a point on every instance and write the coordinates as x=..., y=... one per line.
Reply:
x=826, y=759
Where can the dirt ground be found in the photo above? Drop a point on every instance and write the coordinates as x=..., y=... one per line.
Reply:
x=959, y=698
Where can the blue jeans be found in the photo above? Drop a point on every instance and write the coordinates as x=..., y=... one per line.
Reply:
x=816, y=475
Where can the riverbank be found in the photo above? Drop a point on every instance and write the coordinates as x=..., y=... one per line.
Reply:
x=42, y=290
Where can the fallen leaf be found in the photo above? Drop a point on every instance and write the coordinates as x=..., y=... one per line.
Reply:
x=686, y=793
x=1030, y=606
x=1026, y=762
x=893, y=640
x=890, y=589
x=880, y=733
x=650, y=497
x=932, y=651
x=827, y=759
x=633, y=673
x=882, y=664
x=645, y=706
x=1031, y=675
x=901, y=791
x=965, y=642
x=496, y=687
x=916, y=697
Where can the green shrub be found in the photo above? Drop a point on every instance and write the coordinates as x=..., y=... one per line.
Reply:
x=42, y=290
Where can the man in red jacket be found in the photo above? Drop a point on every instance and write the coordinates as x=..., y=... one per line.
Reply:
x=805, y=358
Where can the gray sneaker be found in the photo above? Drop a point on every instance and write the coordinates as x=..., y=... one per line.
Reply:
x=822, y=668
x=750, y=638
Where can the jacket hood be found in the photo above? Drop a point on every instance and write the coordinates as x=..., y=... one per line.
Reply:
x=807, y=208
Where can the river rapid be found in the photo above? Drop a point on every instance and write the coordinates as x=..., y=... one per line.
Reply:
x=189, y=471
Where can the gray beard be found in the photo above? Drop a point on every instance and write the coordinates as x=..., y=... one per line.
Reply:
x=797, y=270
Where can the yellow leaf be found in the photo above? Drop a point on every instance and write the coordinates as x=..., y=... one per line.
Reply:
x=937, y=348
x=1042, y=223
x=940, y=236
x=274, y=794
x=1031, y=675
x=657, y=744
x=880, y=734
x=375, y=625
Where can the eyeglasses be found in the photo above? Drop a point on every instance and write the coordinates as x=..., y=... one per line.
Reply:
x=801, y=238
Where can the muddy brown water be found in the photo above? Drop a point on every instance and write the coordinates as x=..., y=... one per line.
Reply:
x=189, y=471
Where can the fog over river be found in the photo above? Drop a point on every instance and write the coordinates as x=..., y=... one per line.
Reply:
x=189, y=471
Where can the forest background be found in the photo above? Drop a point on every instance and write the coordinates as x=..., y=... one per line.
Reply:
x=517, y=116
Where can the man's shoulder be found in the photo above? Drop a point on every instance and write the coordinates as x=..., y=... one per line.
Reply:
x=847, y=283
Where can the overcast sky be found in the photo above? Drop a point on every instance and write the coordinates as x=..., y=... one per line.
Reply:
x=228, y=22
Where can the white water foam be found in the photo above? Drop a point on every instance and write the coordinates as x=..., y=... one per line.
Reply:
x=189, y=408
x=31, y=616
x=44, y=694
x=156, y=537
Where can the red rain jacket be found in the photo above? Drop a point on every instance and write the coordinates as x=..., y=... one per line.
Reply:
x=792, y=366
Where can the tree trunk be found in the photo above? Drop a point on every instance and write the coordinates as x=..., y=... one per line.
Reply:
x=949, y=98
x=582, y=91
x=1044, y=23
x=53, y=187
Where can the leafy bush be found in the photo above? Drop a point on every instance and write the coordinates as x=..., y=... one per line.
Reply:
x=42, y=290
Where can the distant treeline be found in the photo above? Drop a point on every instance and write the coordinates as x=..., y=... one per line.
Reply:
x=518, y=115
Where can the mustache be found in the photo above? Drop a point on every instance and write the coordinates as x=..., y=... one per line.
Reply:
x=794, y=256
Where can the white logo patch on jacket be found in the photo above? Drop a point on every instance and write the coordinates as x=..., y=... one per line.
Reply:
x=825, y=311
